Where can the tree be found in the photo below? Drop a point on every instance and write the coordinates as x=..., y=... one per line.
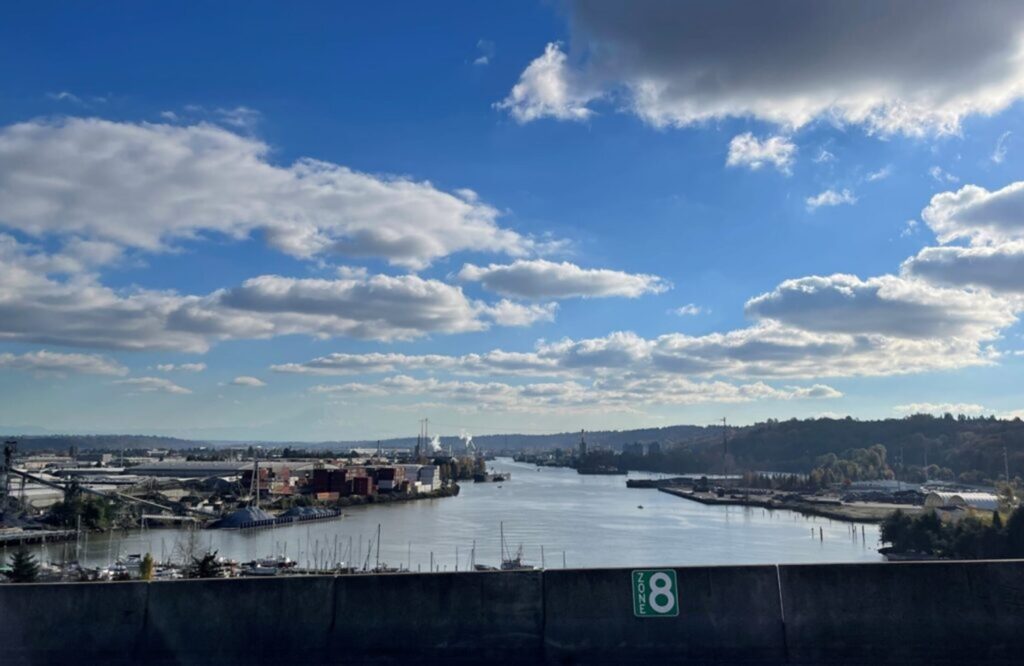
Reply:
x=146, y=568
x=206, y=566
x=1015, y=534
x=24, y=568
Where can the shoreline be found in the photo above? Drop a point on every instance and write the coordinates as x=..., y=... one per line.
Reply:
x=853, y=513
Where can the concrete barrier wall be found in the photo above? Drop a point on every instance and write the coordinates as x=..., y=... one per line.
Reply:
x=943, y=612
x=726, y=615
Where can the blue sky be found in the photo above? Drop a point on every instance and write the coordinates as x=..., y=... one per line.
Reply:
x=513, y=202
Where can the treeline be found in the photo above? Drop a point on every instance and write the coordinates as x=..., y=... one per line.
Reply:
x=968, y=538
x=949, y=448
x=63, y=443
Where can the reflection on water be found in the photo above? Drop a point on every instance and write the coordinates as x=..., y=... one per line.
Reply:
x=594, y=520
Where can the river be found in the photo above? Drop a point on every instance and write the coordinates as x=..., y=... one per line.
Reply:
x=583, y=521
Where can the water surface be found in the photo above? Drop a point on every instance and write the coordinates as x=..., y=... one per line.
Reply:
x=591, y=521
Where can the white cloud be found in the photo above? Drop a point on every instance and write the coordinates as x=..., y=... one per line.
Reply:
x=769, y=349
x=620, y=393
x=942, y=176
x=823, y=156
x=509, y=313
x=149, y=185
x=547, y=88
x=241, y=117
x=884, y=305
x=79, y=311
x=969, y=409
x=379, y=307
x=993, y=225
x=999, y=268
x=753, y=153
x=830, y=198
x=248, y=382
x=64, y=96
x=681, y=63
x=496, y=362
x=540, y=278
x=153, y=385
x=688, y=310
x=881, y=174
x=909, y=228
x=181, y=367
x=47, y=362
x=999, y=152
x=976, y=214
x=486, y=49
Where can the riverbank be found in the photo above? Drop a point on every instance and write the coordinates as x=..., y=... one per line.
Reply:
x=856, y=512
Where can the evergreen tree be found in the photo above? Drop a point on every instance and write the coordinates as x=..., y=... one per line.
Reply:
x=146, y=568
x=24, y=568
x=1015, y=534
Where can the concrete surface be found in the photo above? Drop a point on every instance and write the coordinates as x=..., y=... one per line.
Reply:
x=876, y=613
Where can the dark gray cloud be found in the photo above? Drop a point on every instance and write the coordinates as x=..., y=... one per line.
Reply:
x=910, y=66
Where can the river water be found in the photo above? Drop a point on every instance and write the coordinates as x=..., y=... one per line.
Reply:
x=583, y=521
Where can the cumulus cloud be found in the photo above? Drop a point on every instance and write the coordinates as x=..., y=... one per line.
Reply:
x=618, y=393
x=55, y=363
x=885, y=305
x=679, y=63
x=148, y=186
x=770, y=349
x=380, y=307
x=548, y=88
x=496, y=362
x=978, y=215
x=970, y=409
x=830, y=198
x=510, y=313
x=767, y=350
x=992, y=226
x=153, y=385
x=540, y=278
x=998, y=268
x=181, y=367
x=81, y=312
x=248, y=382
x=753, y=153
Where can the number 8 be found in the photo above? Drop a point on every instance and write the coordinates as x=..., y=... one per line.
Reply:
x=661, y=587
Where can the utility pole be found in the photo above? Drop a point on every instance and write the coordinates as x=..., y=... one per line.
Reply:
x=725, y=447
x=899, y=483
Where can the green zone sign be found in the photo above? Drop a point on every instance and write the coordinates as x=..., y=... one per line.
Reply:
x=655, y=593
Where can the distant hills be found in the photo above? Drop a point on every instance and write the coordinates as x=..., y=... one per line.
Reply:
x=32, y=439
x=958, y=444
